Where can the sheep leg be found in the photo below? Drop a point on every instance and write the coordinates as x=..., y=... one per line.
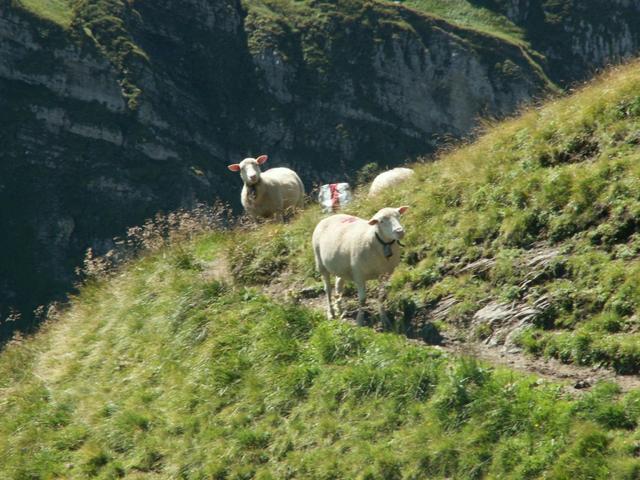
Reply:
x=362, y=298
x=339, y=292
x=382, y=296
x=327, y=288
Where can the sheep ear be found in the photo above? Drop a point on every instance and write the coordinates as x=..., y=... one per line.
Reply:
x=261, y=159
x=373, y=221
x=403, y=209
x=234, y=167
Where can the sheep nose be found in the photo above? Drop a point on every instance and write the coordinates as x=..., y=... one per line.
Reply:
x=399, y=232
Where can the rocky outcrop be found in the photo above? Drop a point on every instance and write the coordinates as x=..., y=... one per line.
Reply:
x=576, y=36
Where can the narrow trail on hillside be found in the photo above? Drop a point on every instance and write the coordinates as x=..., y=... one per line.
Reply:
x=576, y=379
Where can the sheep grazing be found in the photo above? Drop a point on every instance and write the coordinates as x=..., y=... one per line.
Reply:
x=269, y=193
x=388, y=179
x=355, y=249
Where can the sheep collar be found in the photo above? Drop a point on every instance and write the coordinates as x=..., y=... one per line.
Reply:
x=386, y=246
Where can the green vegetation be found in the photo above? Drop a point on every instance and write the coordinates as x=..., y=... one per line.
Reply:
x=466, y=14
x=162, y=371
x=57, y=11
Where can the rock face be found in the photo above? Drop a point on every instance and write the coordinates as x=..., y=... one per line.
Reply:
x=139, y=108
x=577, y=37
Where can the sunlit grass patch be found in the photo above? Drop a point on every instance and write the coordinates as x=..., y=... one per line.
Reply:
x=57, y=11
x=466, y=14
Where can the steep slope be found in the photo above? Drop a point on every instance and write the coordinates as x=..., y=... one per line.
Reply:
x=112, y=111
x=163, y=372
x=171, y=368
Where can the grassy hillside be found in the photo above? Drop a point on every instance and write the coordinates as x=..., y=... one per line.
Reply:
x=168, y=369
x=163, y=372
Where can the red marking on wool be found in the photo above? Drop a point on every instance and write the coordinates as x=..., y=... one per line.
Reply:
x=349, y=220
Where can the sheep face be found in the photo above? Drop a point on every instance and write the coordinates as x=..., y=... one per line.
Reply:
x=387, y=223
x=249, y=169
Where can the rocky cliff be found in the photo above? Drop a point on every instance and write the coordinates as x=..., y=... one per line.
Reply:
x=135, y=107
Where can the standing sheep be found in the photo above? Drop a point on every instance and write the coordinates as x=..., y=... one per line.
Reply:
x=359, y=250
x=270, y=193
x=388, y=179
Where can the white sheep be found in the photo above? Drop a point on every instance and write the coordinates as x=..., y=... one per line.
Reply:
x=269, y=193
x=388, y=179
x=358, y=250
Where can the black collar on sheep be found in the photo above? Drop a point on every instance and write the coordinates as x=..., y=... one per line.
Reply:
x=386, y=246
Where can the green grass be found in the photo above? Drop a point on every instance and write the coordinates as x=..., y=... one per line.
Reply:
x=465, y=14
x=159, y=372
x=56, y=11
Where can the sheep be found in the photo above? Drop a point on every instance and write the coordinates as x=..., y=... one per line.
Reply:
x=269, y=193
x=355, y=249
x=388, y=179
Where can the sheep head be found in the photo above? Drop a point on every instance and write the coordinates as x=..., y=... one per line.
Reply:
x=249, y=169
x=387, y=223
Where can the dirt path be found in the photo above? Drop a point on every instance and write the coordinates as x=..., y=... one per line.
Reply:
x=577, y=379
